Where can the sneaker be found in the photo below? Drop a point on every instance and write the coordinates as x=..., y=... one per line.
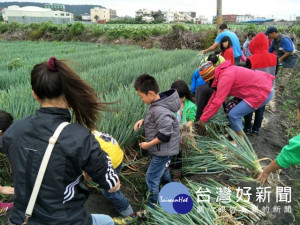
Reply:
x=247, y=131
x=255, y=133
x=125, y=220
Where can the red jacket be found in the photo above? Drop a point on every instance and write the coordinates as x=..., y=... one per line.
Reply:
x=252, y=86
x=261, y=58
x=228, y=55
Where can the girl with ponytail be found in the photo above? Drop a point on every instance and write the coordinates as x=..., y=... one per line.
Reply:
x=61, y=197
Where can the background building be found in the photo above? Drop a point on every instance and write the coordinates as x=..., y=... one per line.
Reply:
x=86, y=17
x=169, y=17
x=244, y=18
x=201, y=20
x=102, y=14
x=33, y=14
x=55, y=7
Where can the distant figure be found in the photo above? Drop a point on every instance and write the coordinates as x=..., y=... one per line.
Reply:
x=285, y=51
x=261, y=60
x=250, y=36
x=223, y=31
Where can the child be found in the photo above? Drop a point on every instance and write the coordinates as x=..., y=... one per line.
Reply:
x=226, y=48
x=204, y=91
x=216, y=58
x=161, y=130
x=187, y=112
x=5, y=121
x=120, y=202
x=186, y=116
x=289, y=155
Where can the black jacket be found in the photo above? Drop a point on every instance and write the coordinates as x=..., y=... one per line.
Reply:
x=60, y=200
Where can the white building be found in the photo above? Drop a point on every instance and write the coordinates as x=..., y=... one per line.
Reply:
x=143, y=12
x=179, y=17
x=201, y=20
x=188, y=18
x=86, y=17
x=244, y=18
x=33, y=14
x=147, y=19
x=169, y=17
x=102, y=14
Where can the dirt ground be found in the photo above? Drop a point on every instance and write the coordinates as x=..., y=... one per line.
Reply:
x=267, y=145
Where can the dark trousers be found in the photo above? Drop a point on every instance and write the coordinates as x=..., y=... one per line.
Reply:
x=259, y=116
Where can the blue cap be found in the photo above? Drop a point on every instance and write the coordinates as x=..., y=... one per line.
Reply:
x=271, y=30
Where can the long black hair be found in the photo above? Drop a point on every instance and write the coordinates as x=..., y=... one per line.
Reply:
x=183, y=90
x=224, y=39
x=50, y=80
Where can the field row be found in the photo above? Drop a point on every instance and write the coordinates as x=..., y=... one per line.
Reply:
x=110, y=69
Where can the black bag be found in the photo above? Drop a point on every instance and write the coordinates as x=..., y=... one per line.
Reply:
x=230, y=104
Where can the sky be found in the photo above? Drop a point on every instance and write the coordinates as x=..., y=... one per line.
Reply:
x=278, y=9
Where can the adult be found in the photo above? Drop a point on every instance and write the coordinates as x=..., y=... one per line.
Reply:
x=285, y=51
x=261, y=60
x=253, y=87
x=247, y=52
x=223, y=31
x=61, y=197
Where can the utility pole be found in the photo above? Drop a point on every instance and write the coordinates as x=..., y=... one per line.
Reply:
x=219, y=13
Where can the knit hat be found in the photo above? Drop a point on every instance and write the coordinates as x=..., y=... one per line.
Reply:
x=207, y=71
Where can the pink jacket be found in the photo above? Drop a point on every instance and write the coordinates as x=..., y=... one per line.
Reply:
x=252, y=86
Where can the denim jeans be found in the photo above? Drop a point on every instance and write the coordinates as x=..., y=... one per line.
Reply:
x=119, y=201
x=158, y=171
x=242, y=109
x=101, y=219
x=259, y=116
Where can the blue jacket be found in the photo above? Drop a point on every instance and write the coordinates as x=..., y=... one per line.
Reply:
x=196, y=81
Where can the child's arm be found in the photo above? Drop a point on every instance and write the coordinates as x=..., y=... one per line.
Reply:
x=7, y=190
x=138, y=124
x=272, y=167
x=288, y=156
x=146, y=145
